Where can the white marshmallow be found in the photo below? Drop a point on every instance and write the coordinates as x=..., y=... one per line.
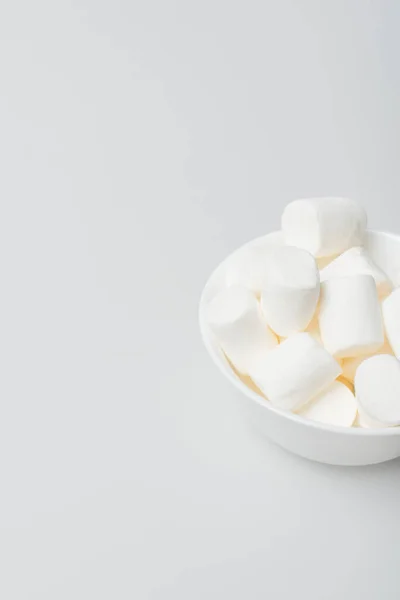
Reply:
x=235, y=318
x=359, y=422
x=350, y=317
x=324, y=261
x=290, y=294
x=324, y=226
x=248, y=382
x=345, y=381
x=248, y=268
x=391, y=320
x=350, y=365
x=395, y=278
x=313, y=328
x=335, y=406
x=295, y=371
x=377, y=386
x=356, y=261
x=365, y=422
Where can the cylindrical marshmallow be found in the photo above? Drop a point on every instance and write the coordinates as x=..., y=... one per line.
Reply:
x=345, y=382
x=313, y=328
x=235, y=318
x=365, y=422
x=361, y=422
x=248, y=268
x=246, y=379
x=350, y=365
x=324, y=261
x=377, y=386
x=335, y=406
x=291, y=291
x=324, y=226
x=350, y=318
x=356, y=261
x=395, y=278
x=391, y=320
x=295, y=371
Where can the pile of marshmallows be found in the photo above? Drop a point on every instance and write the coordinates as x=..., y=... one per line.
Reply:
x=321, y=343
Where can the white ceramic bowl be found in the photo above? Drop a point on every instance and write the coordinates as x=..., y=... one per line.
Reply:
x=323, y=443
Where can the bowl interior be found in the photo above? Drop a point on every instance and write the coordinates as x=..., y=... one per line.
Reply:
x=384, y=249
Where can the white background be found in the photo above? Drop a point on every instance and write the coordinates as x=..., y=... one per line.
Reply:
x=141, y=142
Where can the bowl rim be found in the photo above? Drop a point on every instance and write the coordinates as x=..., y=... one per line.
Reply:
x=239, y=385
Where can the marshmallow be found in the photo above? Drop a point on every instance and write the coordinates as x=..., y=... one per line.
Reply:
x=294, y=372
x=356, y=261
x=350, y=365
x=335, y=406
x=324, y=261
x=345, y=381
x=395, y=278
x=248, y=268
x=313, y=329
x=235, y=318
x=365, y=422
x=248, y=382
x=324, y=226
x=391, y=320
x=350, y=317
x=290, y=294
x=360, y=422
x=377, y=386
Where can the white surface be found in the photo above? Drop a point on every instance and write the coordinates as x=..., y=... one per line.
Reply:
x=140, y=143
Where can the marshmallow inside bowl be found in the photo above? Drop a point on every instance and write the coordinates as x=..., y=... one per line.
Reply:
x=290, y=292
x=324, y=426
